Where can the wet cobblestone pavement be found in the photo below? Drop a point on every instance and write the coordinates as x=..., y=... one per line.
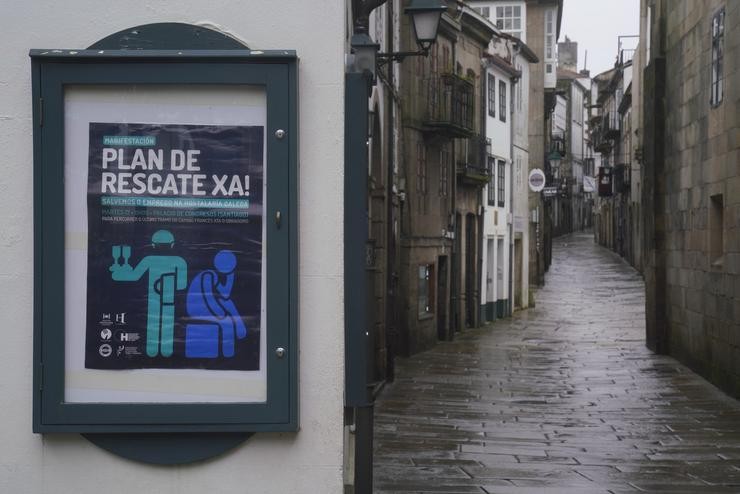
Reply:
x=564, y=397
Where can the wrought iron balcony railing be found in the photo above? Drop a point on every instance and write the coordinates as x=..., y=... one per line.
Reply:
x=451, y=106
x=473, y=168
x=610, y=125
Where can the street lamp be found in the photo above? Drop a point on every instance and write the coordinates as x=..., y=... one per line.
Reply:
x=425, y=16
x=365, y=52
x=554, y=158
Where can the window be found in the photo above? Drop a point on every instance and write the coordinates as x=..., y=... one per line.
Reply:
x=491, y=95
x=519, y=85
x=518, y=172
x=649, y=29
x=420, y=77
x=577, y=106
x=421, y=176
x=550, y=35
x=501, y=183
x=502, y=101
x=509, y=19
x=444, y=169
x=718, y=40
x=484, y=11
x=425, y=295
x=716, y=230
x=491, y=181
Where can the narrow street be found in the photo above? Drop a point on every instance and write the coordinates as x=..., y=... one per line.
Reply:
x=564, y=397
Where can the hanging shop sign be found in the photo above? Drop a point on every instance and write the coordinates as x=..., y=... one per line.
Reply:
x=550, y=191
x=536, y=180
x=589, y=184
x=157, y=306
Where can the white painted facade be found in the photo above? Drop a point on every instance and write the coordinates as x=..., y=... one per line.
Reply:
x=558, y=126
x=508, y=16
x=510, y=140
x=577, y=150
x=520, y=187
x=551, y=47
x=497, y=193
x=307, y=461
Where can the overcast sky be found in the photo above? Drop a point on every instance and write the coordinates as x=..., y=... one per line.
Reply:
x=595, y=25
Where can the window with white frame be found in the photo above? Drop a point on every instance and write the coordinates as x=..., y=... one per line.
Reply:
x=491, y=181
x=577, y=106
x=484, y=11
x=509, y=19
x=519, y=85
x=502, y=100
x=550, y=34
x=491, y=95
x=501, y=193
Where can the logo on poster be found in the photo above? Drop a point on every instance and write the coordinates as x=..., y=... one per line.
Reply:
x=106, y=334
x=105, y=350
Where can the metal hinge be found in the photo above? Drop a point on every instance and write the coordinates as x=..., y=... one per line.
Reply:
x=41, y=112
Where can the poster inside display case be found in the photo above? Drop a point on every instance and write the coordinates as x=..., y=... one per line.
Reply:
x=161, y=178
x=164, y=188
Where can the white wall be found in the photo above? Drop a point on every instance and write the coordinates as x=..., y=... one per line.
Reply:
x=550, y=59
x=307, y=461
x=520, y=168
x=495, y=226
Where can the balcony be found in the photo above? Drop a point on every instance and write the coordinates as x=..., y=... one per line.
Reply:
x=450, y=110
x=610, y=126
x=473, y=169
x=600, y=143
x=558, y=143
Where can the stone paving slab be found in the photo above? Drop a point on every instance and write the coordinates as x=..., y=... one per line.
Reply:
x=561, y=398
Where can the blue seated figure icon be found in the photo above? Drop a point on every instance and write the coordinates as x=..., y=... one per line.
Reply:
x=167, y=273
x=213, y=316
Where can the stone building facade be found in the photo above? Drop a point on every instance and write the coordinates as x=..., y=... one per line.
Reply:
x=537, y=23
x=441, y=174
x=691, y=183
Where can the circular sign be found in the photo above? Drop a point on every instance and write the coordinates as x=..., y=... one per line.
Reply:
x=536, y=180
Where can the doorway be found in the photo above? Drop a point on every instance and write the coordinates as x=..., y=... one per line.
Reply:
x=470, y=261
x=442, y=298
x=518, y=256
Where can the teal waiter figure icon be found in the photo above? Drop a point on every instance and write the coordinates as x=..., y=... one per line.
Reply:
x=167, y=274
